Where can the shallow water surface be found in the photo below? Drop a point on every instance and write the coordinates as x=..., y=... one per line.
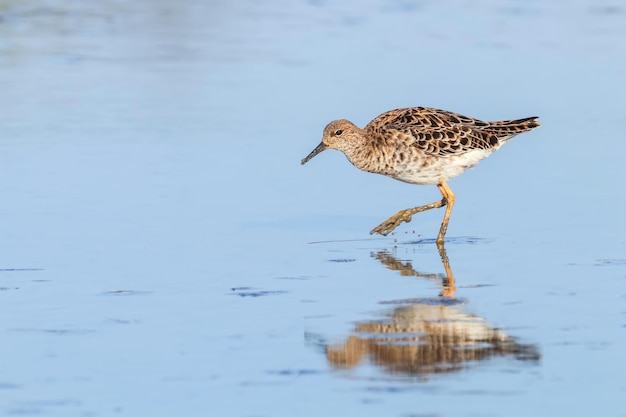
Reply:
x=164, y=253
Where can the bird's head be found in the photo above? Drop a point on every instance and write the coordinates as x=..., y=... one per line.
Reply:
x=342, y=135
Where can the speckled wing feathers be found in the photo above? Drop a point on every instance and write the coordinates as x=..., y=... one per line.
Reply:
x=443, y=133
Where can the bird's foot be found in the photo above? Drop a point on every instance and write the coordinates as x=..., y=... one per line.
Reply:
x=391, y=223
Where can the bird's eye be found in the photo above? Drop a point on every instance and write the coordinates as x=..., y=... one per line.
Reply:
x=338, y=132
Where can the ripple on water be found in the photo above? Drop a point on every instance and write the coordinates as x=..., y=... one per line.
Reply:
x=252, y=292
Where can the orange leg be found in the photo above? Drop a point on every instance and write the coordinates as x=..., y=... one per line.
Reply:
x=394, y=221
x=448, y=197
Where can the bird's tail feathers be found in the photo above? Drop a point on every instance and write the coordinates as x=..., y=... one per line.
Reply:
x=506, y=129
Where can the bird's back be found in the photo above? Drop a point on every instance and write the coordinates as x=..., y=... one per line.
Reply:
x=444, y=133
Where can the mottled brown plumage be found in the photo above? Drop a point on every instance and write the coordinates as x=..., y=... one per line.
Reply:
x=420, y=145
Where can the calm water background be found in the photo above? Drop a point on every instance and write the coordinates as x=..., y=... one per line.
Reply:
x=157, y=229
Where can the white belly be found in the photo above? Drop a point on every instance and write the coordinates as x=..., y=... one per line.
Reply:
x=433, y=170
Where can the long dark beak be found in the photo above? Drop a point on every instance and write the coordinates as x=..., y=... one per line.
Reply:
x=321, y=147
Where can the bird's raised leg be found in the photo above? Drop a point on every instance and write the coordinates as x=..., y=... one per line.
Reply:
x=394, y=221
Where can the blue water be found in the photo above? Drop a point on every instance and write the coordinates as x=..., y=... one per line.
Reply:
x=164, y=253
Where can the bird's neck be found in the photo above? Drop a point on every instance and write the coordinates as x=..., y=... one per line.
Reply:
x=366, y=154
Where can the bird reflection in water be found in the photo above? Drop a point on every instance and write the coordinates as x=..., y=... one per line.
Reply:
x=406, y=270
x=425, y=336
